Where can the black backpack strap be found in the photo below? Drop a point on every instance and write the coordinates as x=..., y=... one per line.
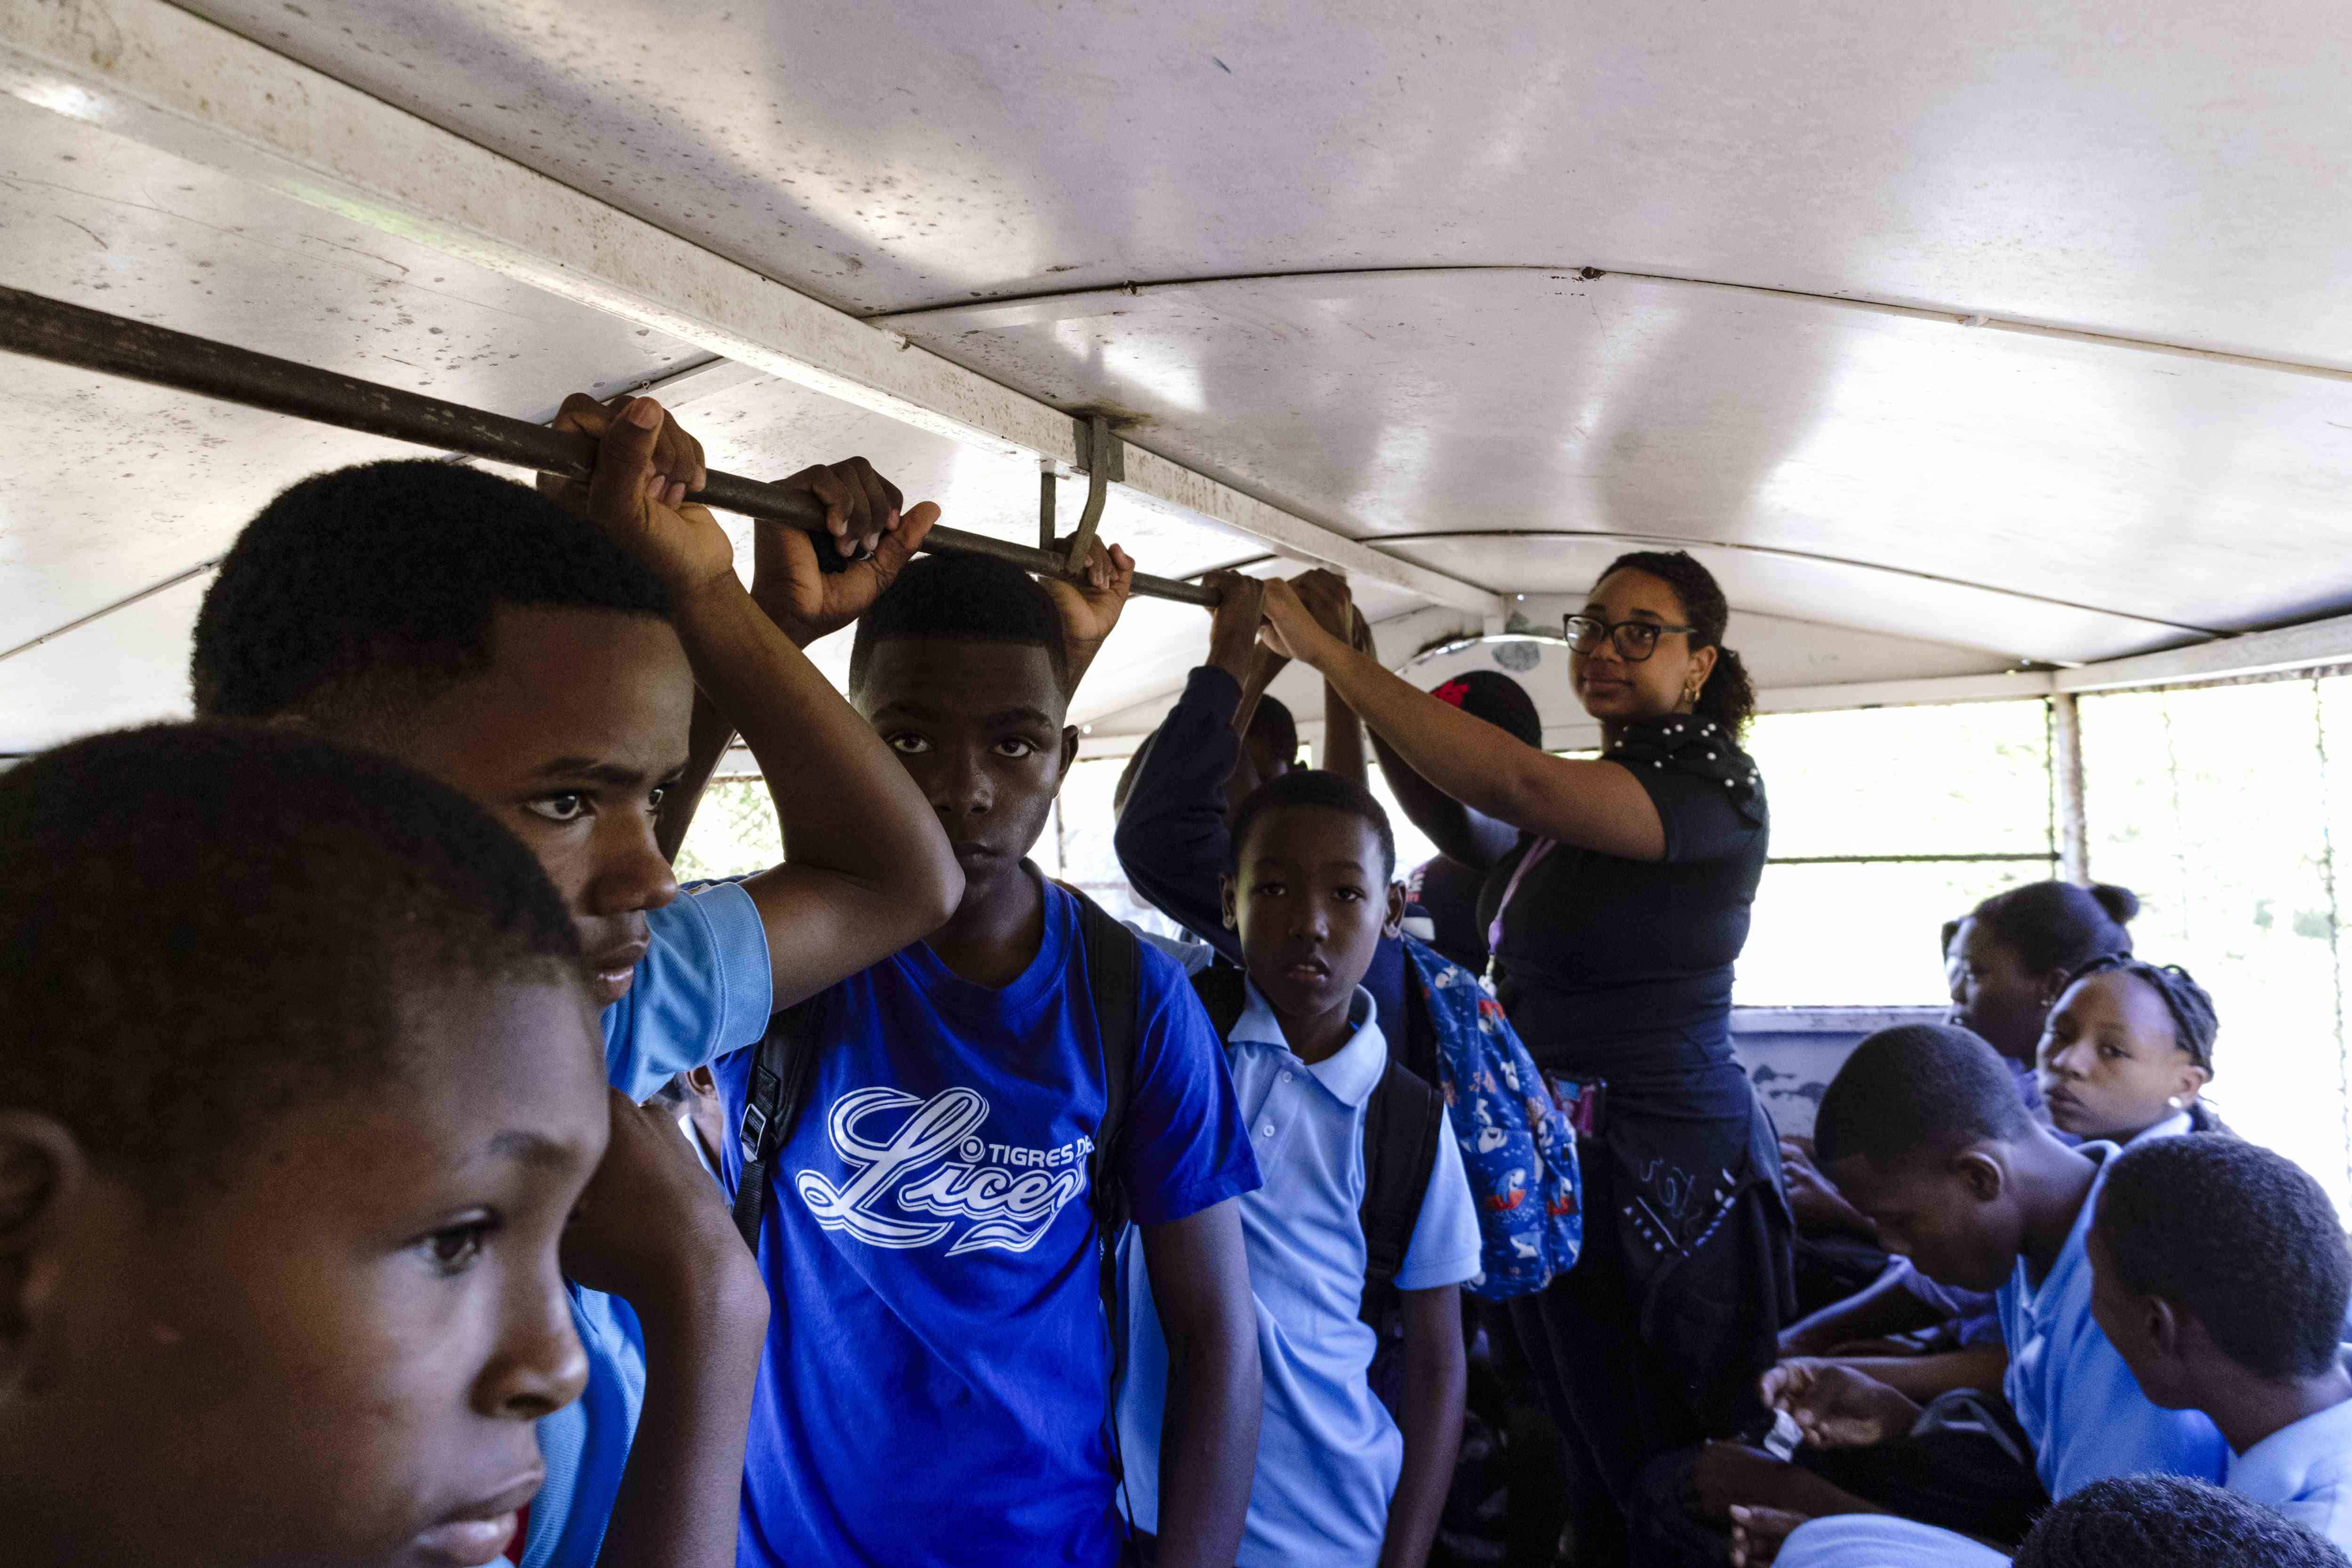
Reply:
x=1403, y=1123
x=1114, y=960
x=1224, y=992
x=781, y=1076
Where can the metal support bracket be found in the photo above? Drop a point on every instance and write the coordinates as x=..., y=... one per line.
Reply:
x=1046, y=481
x=1100, y=454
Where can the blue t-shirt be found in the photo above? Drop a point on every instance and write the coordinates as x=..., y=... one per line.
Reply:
x=701, y=990
x=937, y=1370
x=1328, y=1454
x=2073, y=1391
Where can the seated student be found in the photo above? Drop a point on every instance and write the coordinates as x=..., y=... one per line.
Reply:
x=2131, y=1522
x=1921, y=1128
x=546, y=663
x=2014, y=954
x=2127, y=1052
x=298, y=1090
x=2124, y=1055
x=2221, y=1277
x=937, y=1385
x=1337, y=1482
x=2123, y=1521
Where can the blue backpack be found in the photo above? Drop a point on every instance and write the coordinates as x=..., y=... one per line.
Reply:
x=1516, y=1148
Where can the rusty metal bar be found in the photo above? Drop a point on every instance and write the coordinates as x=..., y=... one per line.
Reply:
x=93, y=340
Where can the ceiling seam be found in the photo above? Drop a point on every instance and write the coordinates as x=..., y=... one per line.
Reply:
x=1580, y=273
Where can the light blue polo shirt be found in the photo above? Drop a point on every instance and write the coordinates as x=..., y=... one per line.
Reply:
x=1328, y=1453
x=2073, y=1391
x=703, y=990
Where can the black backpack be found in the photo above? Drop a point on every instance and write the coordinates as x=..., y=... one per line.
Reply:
x=1403, y=1123
x=785, y=1069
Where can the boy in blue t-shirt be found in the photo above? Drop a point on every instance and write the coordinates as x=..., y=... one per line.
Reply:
x=1311, y=893
x=299, y=1091
x=544, y=656
x=937, y=1385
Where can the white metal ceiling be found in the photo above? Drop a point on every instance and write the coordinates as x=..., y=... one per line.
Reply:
x=2161, y=174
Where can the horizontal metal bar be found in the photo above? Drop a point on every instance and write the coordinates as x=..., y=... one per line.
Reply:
x=93, y=340
x=1903, y=859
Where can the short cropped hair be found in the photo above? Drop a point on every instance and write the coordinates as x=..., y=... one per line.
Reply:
x=1314, y=787
x=2239, y=1235
x=2194, y=1022
x=358, y=595
x=962, y=598
x=2142, y=1521
x=1270, y=721
x=202, y=926
x=1917, y=1090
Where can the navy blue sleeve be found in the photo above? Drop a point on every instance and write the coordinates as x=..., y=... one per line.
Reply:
x=1171, y=839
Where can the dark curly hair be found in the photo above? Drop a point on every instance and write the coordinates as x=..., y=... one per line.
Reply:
x=2145, y=1522
x=202, y=926
x=1494, y=697
x=358, y=595
x=1729, y=695
x=2194, y=1022
x=2239, y=1235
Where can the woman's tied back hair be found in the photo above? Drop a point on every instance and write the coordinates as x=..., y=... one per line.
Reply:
x=203, y=926
x=2194, y=1023
x=2057, y=927
x=2239, y=1235
x=358, y=595
x=1729, y=695
x=2169, y=1522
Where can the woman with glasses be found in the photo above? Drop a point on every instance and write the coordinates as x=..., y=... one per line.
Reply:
x=1618, y=893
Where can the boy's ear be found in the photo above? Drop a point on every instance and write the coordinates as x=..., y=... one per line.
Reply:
x=1069, y=747
x=2162, y=1323
x=1393, y=927
x=42, y=1170
x=1984, y=1175
x=1229, y=899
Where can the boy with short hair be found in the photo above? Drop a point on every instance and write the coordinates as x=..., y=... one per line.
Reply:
x=300, y=1089
x=1922, y=1130
x=2221, y=1277
x=938, y=1377
x=546, y=661
x=1311, y=892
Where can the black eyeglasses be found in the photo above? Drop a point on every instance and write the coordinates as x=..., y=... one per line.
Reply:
x=1635, y=640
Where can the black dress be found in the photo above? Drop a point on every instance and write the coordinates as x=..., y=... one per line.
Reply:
x=1618, y=972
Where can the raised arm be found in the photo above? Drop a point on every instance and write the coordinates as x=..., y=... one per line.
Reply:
x=1343, y=732
x=867, y=869
x=1591, y=804
x=806, y=603
x=1171, y=841
x=1208, y=1443
x=1091, y=604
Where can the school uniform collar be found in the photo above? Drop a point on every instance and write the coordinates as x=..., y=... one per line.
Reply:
x=2277, y=1470
x=1350, y=1073
x=2177, y=1125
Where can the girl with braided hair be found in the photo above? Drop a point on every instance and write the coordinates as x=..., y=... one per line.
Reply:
x=2126, y=1053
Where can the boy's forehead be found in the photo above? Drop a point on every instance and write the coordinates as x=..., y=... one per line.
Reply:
x=1318, y=835
x=569, y=690
x=963, y=677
